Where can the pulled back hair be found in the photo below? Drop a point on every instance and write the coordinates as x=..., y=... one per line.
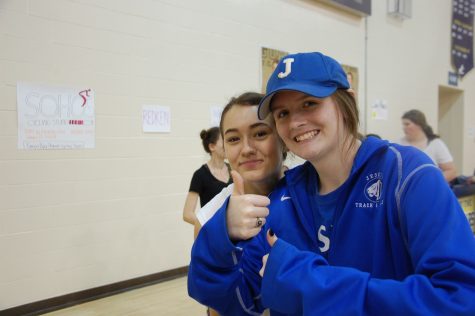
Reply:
x=418, y=118
x=209, y=136
x=246, y=99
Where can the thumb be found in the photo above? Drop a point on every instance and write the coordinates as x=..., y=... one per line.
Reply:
x=271, y=237
x=238, y=183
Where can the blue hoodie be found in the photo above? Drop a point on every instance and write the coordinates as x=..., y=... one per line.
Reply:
x=397, y=243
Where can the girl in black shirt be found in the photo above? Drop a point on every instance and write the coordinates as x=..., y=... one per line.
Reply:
x=210, y=178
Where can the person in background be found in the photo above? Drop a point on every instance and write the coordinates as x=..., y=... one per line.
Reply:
x=364, y=227
x=210, y=178
x=471, y=179
x=419, y=134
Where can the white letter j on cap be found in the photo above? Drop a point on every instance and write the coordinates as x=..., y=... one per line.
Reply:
x=288, y=68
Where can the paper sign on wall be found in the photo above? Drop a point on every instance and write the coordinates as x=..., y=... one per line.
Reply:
x=156, y=119
x=215, y=115
x=51, y=117
x=379, y=110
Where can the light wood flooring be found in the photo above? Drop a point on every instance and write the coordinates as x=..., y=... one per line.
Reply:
x=166, y=298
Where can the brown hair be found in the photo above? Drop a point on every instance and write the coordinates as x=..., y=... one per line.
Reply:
x=247, y=98
x=348, y=108
x=418, y=118
x=209, y=136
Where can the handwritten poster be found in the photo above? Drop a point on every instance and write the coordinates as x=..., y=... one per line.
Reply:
x=156, y=119
x=51, y=117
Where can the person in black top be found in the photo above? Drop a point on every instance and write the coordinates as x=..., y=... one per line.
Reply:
x=210, y=178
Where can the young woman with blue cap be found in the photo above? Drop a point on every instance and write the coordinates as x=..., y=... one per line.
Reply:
x=364, y=227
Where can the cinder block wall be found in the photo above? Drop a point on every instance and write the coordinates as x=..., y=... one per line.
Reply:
x=77, y=219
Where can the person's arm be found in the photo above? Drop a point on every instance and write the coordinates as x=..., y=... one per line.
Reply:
x=439, y=242
x=191, y=201
x=449, y=171
x=197, y=229
x=444, y=160
x=223, y=274
x=219, y=276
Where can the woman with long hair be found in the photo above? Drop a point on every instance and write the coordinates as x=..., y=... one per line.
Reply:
x=419, y=134
x=210, y=178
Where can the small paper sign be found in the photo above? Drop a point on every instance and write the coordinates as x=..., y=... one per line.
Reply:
x=156, y=119
x=379, y=110
x=215, y=115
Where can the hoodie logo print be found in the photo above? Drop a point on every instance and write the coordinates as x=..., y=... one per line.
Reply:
x=374, y=186
x=373, y=191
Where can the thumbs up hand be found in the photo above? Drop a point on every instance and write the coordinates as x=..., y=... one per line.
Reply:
x=246, y=213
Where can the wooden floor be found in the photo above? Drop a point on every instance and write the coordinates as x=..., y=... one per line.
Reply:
x=166, y=298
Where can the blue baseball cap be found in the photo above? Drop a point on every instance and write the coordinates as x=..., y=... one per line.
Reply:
x=311, y=73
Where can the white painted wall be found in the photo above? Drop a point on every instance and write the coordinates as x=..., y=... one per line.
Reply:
x=73, y=220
